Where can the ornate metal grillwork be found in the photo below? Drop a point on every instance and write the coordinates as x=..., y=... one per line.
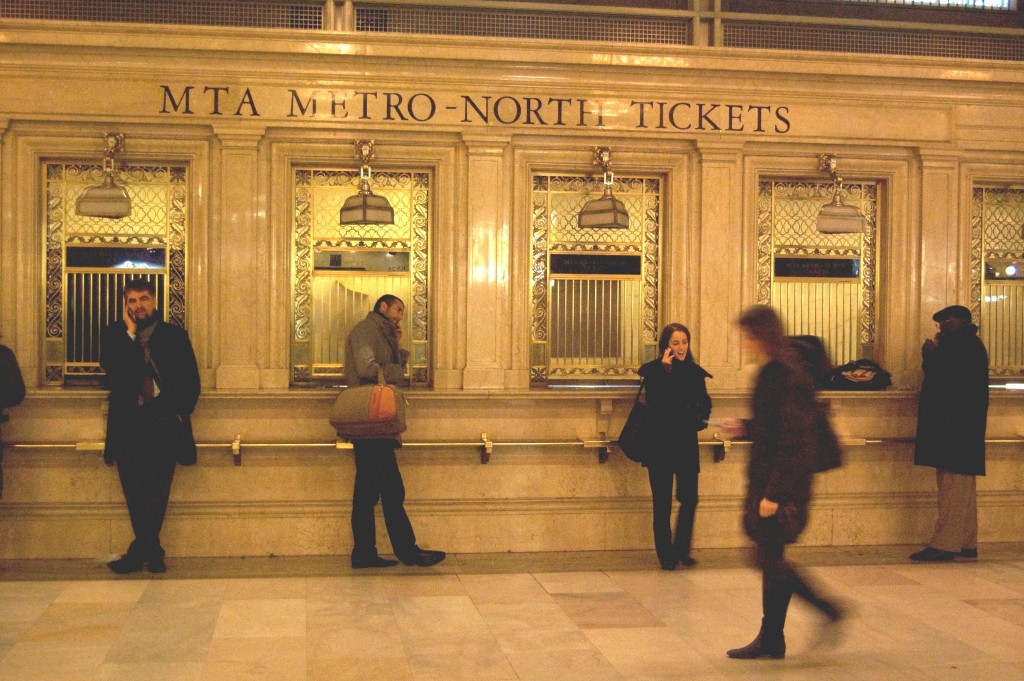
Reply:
x=997, y=242
x=329, y=301
x=519, y=24
x=254, y=14
x=82, y=299
x=595, y=325
x=870, y=40
x=841, y=310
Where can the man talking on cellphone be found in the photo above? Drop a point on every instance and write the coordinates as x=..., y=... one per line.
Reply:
x=153, y=379
x=375, y=344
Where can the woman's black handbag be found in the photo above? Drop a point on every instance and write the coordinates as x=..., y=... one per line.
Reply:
x=636, y=435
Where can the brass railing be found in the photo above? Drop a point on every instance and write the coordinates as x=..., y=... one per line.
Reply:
x=599, y=444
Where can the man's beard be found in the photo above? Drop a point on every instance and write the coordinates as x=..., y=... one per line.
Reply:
x=146, y=321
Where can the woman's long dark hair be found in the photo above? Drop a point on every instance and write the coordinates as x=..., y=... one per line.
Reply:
x=764, y=325
x=666, y=336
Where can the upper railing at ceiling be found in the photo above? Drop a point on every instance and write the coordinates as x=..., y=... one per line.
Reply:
x=973, y=29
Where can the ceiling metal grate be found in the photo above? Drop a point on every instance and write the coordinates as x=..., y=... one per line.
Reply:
x=957, y=4
x=290, y=15
x=513, y=24
x=873, y=41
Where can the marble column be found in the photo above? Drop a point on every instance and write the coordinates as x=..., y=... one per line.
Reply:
x=9, y=273
x=233, y=269
x=726, y=271
x=486, y=322
x=945, y=247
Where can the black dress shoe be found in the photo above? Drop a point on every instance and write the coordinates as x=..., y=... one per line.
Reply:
x=757, y=649
x=687, y=561
x=372, y=562
x=125, y=565
x=668, y=564
x=930, y=555
x=968, y=553
x=423, y=557
x=156, y=565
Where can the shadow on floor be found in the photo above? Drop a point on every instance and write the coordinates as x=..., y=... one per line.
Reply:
x=472, y=563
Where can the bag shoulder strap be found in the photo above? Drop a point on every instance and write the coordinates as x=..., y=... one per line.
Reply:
x=640, y=390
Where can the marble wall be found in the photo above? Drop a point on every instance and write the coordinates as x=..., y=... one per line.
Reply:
x=238, y=109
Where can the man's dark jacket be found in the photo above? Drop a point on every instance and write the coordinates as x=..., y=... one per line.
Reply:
x=122, y=359
x=953, y=407
x=12, y=386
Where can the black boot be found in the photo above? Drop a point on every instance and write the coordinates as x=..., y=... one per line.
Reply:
x=759, y=648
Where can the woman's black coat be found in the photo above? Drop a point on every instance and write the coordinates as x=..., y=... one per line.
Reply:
x=681, y=405
x=953, y=407
x=784, y=431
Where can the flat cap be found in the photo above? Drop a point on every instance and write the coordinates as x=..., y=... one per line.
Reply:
x=953, y=312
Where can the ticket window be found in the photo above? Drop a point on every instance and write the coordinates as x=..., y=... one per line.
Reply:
x=997, y=217
x=823, y=285
x=594, y=292
x=339, y=271
x=88, y=260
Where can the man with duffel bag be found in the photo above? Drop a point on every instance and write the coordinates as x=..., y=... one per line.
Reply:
x=373, y=348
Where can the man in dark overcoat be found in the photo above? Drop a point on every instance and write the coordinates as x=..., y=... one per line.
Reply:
x=951, y=419
x=154, y=386
x=12, y=389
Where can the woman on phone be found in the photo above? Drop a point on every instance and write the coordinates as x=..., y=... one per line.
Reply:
x=679, y=400
x=782, y=463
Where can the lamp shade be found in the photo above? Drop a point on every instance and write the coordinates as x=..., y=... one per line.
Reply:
x=838, y=218
x=366, y=208
x=606, y=212
x=106, y=200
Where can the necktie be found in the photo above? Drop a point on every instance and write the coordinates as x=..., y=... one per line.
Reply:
x=148, y=391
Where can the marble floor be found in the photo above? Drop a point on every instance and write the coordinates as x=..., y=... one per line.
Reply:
x=547, y=617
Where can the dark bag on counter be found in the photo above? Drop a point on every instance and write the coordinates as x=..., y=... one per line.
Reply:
x=860, y=374
x=635, y=438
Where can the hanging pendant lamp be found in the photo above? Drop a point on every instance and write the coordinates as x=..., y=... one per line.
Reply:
x=365, y=207
x=109, y=199
x=836, y=217
x=606, y=212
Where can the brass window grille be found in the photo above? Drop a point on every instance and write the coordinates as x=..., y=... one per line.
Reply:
x=88, y=260
x=339, y=271
x=594, y=292
x=822, y=284
x=997, y=296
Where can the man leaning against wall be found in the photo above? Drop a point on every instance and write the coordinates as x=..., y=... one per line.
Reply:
x=12, y=390
x=951, y=420
x=154, y=386
x=375, y=344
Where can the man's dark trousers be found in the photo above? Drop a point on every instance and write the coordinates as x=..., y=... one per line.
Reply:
x=378, y=478
x=146, y=477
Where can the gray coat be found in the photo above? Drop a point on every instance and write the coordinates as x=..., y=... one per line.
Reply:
x=372, y=343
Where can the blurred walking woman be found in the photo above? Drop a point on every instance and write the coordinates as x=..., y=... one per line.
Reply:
x=679, y=400
x=779, y=475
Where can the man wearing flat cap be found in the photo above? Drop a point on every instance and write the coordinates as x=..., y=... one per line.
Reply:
x=951, y=419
